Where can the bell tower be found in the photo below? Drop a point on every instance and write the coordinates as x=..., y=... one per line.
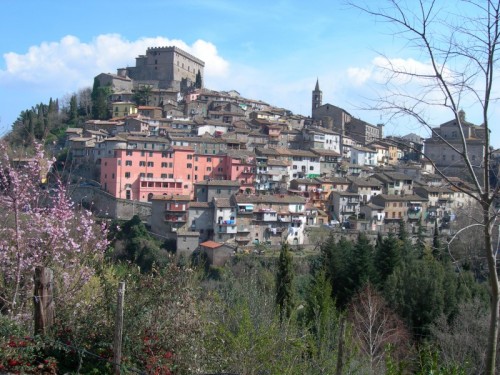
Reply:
x=317, y=98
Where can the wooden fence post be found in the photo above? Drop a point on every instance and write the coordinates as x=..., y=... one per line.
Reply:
x=43, y=299
x=117, y=342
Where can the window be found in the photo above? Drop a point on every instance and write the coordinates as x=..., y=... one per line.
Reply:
x=151, y=164
x=311, y=168
x=164, y=165
x=219, y=191
x=188, y=176
x=142, y=164
x=209, y=169
x=127, y=174
x=163, y=154
x=127, y=195
x=170, y=165
x=129, y=153
x=143, y=153
x=150, y=153
x=189, y=165
x=150, y=175
x=220, y=169
x=190, y=157
x=113, y=176
x=142, y=175
x=195, y=167
x=170, y=175
x=163, y=175
x=209, y=159
x=128, y=163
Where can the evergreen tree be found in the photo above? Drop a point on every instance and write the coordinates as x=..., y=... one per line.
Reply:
x=73, y=110
x=337, y=257
x=387, y=257
x=284, y=283
x=420, y=245
x=402, y=233
x=198, y=83
x=99, y=98
x=361, y=263
x=436, y=243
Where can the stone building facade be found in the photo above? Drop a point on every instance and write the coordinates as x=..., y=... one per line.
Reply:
x=170, y=67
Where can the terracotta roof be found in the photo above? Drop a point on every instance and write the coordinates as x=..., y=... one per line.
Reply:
x=211, y=244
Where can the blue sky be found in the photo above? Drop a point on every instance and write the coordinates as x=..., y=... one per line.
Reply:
x=268, y=50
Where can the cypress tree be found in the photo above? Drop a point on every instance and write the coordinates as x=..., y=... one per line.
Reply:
x=198, y=82
x=284, y=283
x=436, y=243
x=73, y=110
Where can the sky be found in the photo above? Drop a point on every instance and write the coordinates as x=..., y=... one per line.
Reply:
x=268, y=50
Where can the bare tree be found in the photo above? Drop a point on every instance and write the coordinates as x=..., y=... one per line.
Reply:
x=460, y=51
x=376, y=327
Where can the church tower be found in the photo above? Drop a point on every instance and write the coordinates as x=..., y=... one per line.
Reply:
x=317, y=98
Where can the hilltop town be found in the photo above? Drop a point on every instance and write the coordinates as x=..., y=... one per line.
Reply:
x=220, y=172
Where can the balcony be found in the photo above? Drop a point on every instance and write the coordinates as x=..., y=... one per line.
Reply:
x=159, y=179
x=176, y=218
x=172, y=208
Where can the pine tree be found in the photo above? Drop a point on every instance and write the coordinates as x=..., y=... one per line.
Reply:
x=361, y=263
x=284, y=283
x=387, y=257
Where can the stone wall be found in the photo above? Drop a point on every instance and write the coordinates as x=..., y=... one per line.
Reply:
x=103, y=204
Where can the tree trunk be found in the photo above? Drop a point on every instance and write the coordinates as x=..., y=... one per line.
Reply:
x=494, y=290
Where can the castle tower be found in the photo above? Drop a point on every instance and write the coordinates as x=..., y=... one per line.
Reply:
x=317, y=97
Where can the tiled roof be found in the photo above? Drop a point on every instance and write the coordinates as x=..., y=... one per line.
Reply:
x=211, y=244
x=270, y=198
x=199, y=204
x=222, y=202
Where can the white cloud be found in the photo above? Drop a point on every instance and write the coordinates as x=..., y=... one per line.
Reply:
x=359, y=76
x=69, y=64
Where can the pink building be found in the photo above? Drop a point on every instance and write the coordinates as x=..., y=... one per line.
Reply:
x=140, y=174
x=241, y=168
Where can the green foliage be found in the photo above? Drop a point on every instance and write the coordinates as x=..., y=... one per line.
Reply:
x=337, y=257
x=42, y=123
x=142, y=95
x=73, y=110
x=284, y=283
x=99, y=96
x=133, y=243
x=387, y=257
x=198, y=83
